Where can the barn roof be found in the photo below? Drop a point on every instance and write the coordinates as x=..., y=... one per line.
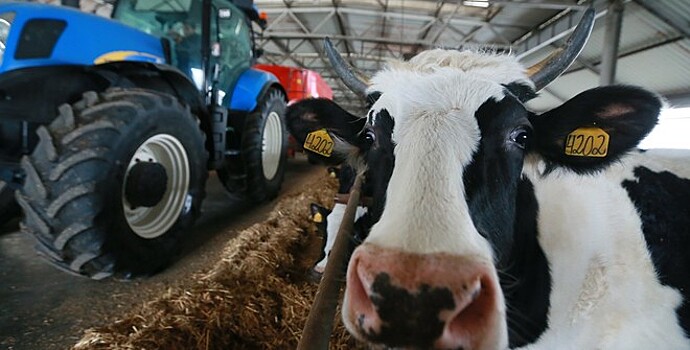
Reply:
x=654, y=49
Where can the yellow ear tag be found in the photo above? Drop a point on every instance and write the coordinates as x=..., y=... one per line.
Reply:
x=319, y=142
x=333, y=174
x=318, y=218
x=587, y=142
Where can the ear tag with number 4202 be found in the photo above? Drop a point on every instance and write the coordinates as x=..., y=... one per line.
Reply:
x=587, y=142
x=318, y=218
x=319, y=142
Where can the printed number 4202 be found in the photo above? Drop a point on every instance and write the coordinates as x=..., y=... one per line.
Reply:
x=320, y=143
x=584, y=145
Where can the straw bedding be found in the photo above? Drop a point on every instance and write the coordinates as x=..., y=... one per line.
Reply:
x=257, y=297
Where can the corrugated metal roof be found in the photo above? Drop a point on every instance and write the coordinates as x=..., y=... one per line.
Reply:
x=652, y=54
x=654, y=47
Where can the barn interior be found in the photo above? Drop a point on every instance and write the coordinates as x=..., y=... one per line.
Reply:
x=204, y=299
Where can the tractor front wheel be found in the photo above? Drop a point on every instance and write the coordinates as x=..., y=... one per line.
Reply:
x=8, y=206
x=114, y=182
x=257, y=174
x=264, y=147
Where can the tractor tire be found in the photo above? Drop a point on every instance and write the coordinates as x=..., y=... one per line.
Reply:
x=114, y=182
x=8, y=206
x=264, y=147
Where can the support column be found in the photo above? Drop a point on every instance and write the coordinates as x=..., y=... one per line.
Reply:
x=609, y=56
x=70, y=3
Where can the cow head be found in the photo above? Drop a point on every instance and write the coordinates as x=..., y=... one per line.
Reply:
x=445, y=143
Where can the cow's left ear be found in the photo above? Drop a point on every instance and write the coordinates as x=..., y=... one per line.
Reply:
x=595, y=127
x=328, y=133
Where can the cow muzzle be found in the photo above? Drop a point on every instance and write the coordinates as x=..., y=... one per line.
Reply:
x=423, y=301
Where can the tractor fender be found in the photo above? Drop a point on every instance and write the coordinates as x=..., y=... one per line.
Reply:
x=44, y=35
x=250, y=87
x=30, y=97
x=21, y=89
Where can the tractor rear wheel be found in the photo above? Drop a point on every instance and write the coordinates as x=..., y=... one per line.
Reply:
x=114, y=182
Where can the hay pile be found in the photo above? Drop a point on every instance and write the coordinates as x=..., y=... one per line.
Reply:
x=256, y=297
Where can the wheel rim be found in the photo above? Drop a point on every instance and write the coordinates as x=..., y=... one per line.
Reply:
x=272, y=145
x=151, y=222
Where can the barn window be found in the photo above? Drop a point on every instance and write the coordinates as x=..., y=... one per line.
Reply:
x=671, y=132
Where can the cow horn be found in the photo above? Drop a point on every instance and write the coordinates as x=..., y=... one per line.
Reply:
x=548, y=69
x=345, y=71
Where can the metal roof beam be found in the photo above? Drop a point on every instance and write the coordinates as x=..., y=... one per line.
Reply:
x=632, y=52
x=389, y=41
x=678, y=100
x=539, y=5
x=666, y=13
x=466, y=21
x=343, y=29
x=554, y=29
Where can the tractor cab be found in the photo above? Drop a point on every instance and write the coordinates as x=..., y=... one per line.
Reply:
x=227, y=45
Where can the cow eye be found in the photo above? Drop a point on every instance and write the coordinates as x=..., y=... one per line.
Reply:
x=370, y=136
x=520, y=137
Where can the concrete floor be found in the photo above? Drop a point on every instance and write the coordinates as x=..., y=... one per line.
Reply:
x=43, y=308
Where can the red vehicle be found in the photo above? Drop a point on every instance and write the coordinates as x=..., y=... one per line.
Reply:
x=299, y=84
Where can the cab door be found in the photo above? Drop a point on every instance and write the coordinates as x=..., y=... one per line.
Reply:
x=231, y=36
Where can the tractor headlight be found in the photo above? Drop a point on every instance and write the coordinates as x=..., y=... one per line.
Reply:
x=5, y=23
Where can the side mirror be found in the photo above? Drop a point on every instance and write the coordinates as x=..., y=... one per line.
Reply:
x=258, y=53
x=215, y=49
x=224, y=13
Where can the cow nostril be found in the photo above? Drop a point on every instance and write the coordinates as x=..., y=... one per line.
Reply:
x=360, y=302
x=480, y=301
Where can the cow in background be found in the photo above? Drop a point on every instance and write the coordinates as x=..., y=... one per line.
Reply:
x=497, y=227
x=328, y=220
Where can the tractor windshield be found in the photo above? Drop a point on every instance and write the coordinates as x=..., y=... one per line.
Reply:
x=163, y=5
x=177, y=20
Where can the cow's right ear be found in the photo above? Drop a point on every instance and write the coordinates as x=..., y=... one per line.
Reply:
x=596, y=127
x=329, y=134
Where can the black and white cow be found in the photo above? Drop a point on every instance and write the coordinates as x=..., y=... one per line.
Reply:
x=496, y=227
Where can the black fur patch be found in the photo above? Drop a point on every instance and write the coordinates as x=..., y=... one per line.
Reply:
x=408, y=319
x=491, y=178
x=663, y=201
x=523, y=92
x=525, y=278
x=504, y=210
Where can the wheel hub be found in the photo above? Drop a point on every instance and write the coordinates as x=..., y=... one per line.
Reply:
x=150, y=212
x=146, y=184
x=272, y=145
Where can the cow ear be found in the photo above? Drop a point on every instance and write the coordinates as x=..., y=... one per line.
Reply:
x=328, y=133
x=333, y=172
x=596, y=127
x=316, y=215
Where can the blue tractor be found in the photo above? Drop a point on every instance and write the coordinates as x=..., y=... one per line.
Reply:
x=108, y=127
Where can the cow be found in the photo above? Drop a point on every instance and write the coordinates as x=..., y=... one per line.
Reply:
x=497, y=227
x=328, y=220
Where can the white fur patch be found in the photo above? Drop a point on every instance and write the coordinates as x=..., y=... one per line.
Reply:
x=335, y=218
x=605, y=291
